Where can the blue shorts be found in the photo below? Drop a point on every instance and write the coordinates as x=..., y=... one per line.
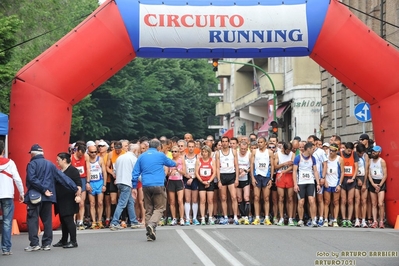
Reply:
x=330, y=189
x=83, y=179
x=261, y=181
x=96, y=187
x=193, y=186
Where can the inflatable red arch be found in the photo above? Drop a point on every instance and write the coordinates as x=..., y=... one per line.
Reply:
x=45, y=90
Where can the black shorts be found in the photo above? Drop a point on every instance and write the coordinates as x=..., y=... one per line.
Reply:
x=242, y=184
x=362, y=179
x=193, y=186
x=347, y=186
x=273, y=187
x=227, y=179
x=175, y=185
x=306, y=190
x=111, y=187
x=261, y=181
x=201, y=187
x=377, y=181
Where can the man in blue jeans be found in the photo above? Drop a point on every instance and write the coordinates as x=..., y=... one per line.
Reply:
x=150, y=166
x=8, y=174
x=123, y=170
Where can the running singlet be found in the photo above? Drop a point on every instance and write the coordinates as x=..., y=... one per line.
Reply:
x=205, y=169
x=376, y=169
x=262, y=162
x=320, y=157
x=305, y=169
x=96, y=173
x=349, y=165
x=80, y=165
x=283, y=158
x=361, y=165
x=243, y=163
x=176, y=176
x=226, y=162
x=190, y=165
x=333, y=172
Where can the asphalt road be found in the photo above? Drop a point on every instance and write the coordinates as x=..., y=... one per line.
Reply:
x=218, y=245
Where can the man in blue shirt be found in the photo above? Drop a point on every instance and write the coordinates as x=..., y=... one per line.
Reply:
x=150, y=166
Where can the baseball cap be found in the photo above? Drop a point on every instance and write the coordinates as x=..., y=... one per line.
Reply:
x=35, y=147
x=364, y=136
x=377, y=148
x=90, y=143
x=103, y=143
x=326, y=144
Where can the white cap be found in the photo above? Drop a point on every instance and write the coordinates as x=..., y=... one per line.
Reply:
x=103, y=143
x=90, y=143
x=326, y=144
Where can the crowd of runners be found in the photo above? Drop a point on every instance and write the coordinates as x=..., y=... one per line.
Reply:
x=242, y=180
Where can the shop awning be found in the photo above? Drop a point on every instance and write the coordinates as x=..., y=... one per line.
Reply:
x=229, y=133
x=264, y=129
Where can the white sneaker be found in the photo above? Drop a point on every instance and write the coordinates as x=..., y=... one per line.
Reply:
x=280, y=222
x=174, y=222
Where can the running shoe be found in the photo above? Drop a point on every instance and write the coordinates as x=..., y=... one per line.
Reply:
x=349, y=224
x=280, y=222
x=93, y=225
x=325, y=224
x=123, y=224
x=236, y=222
x=382, y=226
x=309, y=223
x=114, y=227
x=320, y=223
x=295, y=221
x=374, y=224
x=357, y=223
x=275, y=221
x=107, y=223
x=224, y=221
x=241, y=220
x=100, y=225
x=364, y=225
x=251, y=219
x=211, y=221
x=46, y=247
x=256, y=222
x=335, y=224
x=330, y=223
x=267, y=222
x=262, y=221
x=81, y=226
x=291, y=222
x=182, y=222
x=32, y=248
x=169, y=221
x=300, y=223
x=7, y=253
x=174, y=222
x=246, y=221
x=314, y=223
x=187, y=223
x=196, y=222
x=151, y=232
x=203, y=222
x=344, y=223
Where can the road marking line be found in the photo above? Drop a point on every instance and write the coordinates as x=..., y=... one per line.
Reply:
x=241, y=252
x=197, y=251
x=227, y=255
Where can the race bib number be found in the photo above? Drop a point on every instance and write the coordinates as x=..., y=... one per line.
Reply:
x=225, y=164
x=205, y=172
x=331, y=170
x=306, y=175
x=361, y=171
x=348, y=170
x=191, y=171
x=262, y=166
x=95, y=177
x=81, y=170
x=376, y=171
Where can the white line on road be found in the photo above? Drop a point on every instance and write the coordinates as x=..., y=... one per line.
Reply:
x=241, y=252
x=228, y=256
x=197, y=251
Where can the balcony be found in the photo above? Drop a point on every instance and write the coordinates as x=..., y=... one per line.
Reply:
x=246, y=99
x=214, y=122
x=266, y=86
x=224, y=70
x=223, y=108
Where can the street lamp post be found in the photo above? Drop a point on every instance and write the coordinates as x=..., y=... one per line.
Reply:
x=267, y=75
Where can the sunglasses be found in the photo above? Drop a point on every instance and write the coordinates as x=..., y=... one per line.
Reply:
x=333, y=150
x=92, y=152
x=180, y=146
x=174, y=151
x=272, y=147
x=101, y=146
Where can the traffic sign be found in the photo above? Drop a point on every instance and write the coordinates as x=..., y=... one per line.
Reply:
x=362, y=112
